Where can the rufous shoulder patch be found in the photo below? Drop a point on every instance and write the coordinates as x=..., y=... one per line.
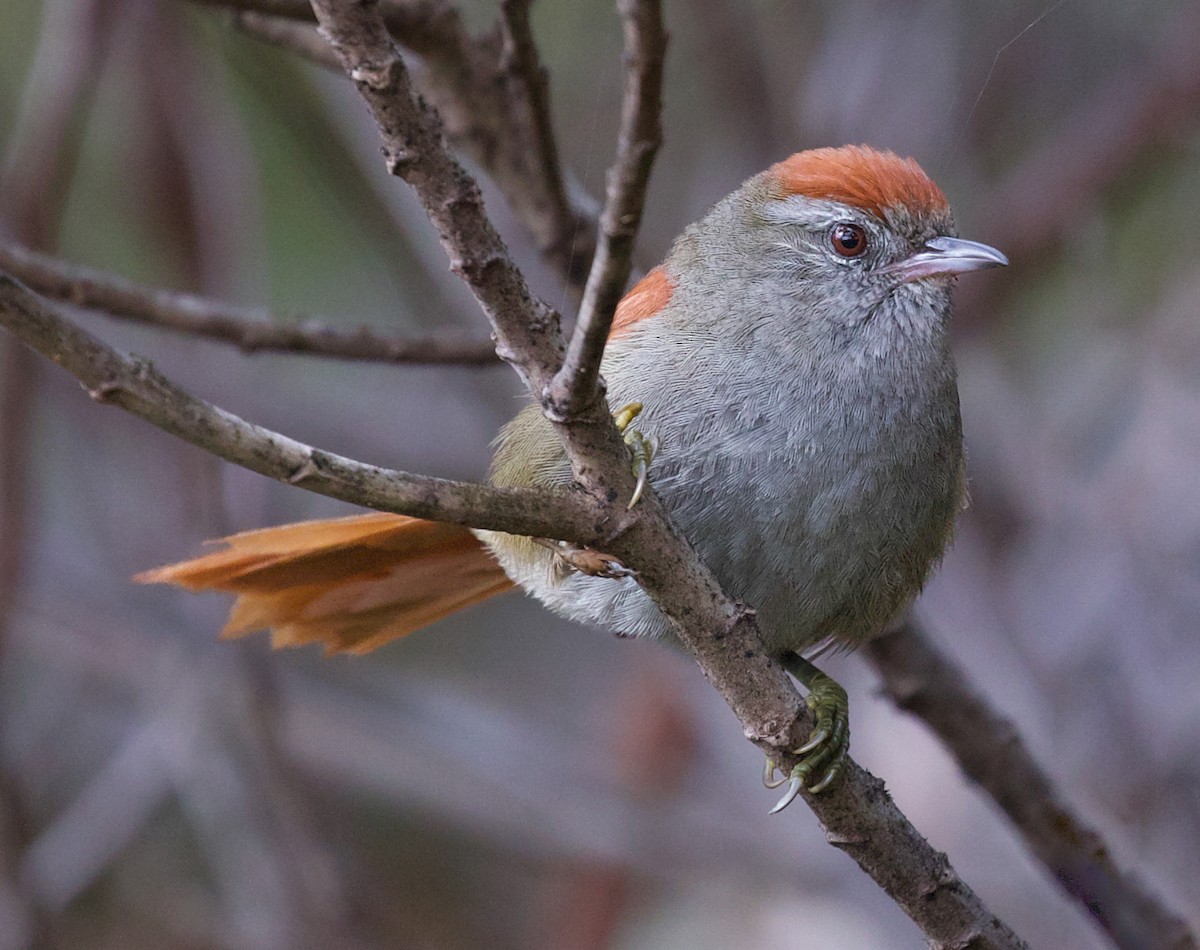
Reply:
x=648, y=296
x=860, y=176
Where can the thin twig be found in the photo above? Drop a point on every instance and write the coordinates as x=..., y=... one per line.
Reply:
x=136, y=386
x=530, y=126
x=576, y=385
x=294, y=35
x=529, y=83
x=251, y=330
x=421, y=25
x=857, y=813
x=922, y=680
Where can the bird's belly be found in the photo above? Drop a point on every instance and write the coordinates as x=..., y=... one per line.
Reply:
x=827, y=549
x=831, y=551
x=827, y=533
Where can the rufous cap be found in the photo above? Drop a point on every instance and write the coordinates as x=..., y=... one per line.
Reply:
x=861, y=177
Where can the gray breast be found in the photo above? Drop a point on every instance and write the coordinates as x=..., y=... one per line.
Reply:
x=824, y=510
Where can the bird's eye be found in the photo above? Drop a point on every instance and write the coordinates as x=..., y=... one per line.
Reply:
x=848, y=240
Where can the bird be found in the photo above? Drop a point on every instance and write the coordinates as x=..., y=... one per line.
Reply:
x=789, y=369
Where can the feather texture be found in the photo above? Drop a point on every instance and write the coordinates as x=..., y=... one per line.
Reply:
x=646, y=298
x=351, y=584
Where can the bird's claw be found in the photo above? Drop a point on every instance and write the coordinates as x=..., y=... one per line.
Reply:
x=769, y=780
x=641, y=469
x=824, y=754
x=793, y=790
x=640, y=447
x=589, y=561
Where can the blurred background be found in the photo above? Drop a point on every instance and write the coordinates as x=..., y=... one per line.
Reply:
x=506, y=779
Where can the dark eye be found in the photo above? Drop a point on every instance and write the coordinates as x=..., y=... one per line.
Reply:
x=848, y=240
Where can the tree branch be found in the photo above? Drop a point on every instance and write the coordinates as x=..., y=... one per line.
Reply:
x=295, y=35
x=527, y=330
x=424, y=26
x=723, y=636
x=921, y=680
x=576, y=384
x=251, y=330
x=136, y=386
x=527, y=92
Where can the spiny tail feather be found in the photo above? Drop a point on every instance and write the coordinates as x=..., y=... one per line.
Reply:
x=351, y=584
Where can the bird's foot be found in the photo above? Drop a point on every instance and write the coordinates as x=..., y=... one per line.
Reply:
x=824, y=754
x=640, y=447
x=585, y=560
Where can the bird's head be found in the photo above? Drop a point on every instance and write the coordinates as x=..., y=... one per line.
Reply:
x=859, y=231
x=851, y=243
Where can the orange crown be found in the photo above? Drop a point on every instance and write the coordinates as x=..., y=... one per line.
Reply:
x=862, y=177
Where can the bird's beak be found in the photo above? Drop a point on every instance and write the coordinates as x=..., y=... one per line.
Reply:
x=947, y=257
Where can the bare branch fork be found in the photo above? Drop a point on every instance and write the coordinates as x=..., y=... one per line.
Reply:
x=575, y=386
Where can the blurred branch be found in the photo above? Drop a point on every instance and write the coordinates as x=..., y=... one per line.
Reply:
x=136, y=386
x=490, y=93
x=575, y=385
x=527, y=330
x=722, y=635
x=314, y=116
x=251, y=330
x=421, y=25
x=527, y=90
x=294, y=35
x=98, y=823
x=920, y=679
x=404, y=738
x=328, y=886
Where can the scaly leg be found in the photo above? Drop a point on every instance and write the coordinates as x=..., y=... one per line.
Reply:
x=823, y=755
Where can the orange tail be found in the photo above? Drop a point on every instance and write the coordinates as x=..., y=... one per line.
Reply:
x=350, y=583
